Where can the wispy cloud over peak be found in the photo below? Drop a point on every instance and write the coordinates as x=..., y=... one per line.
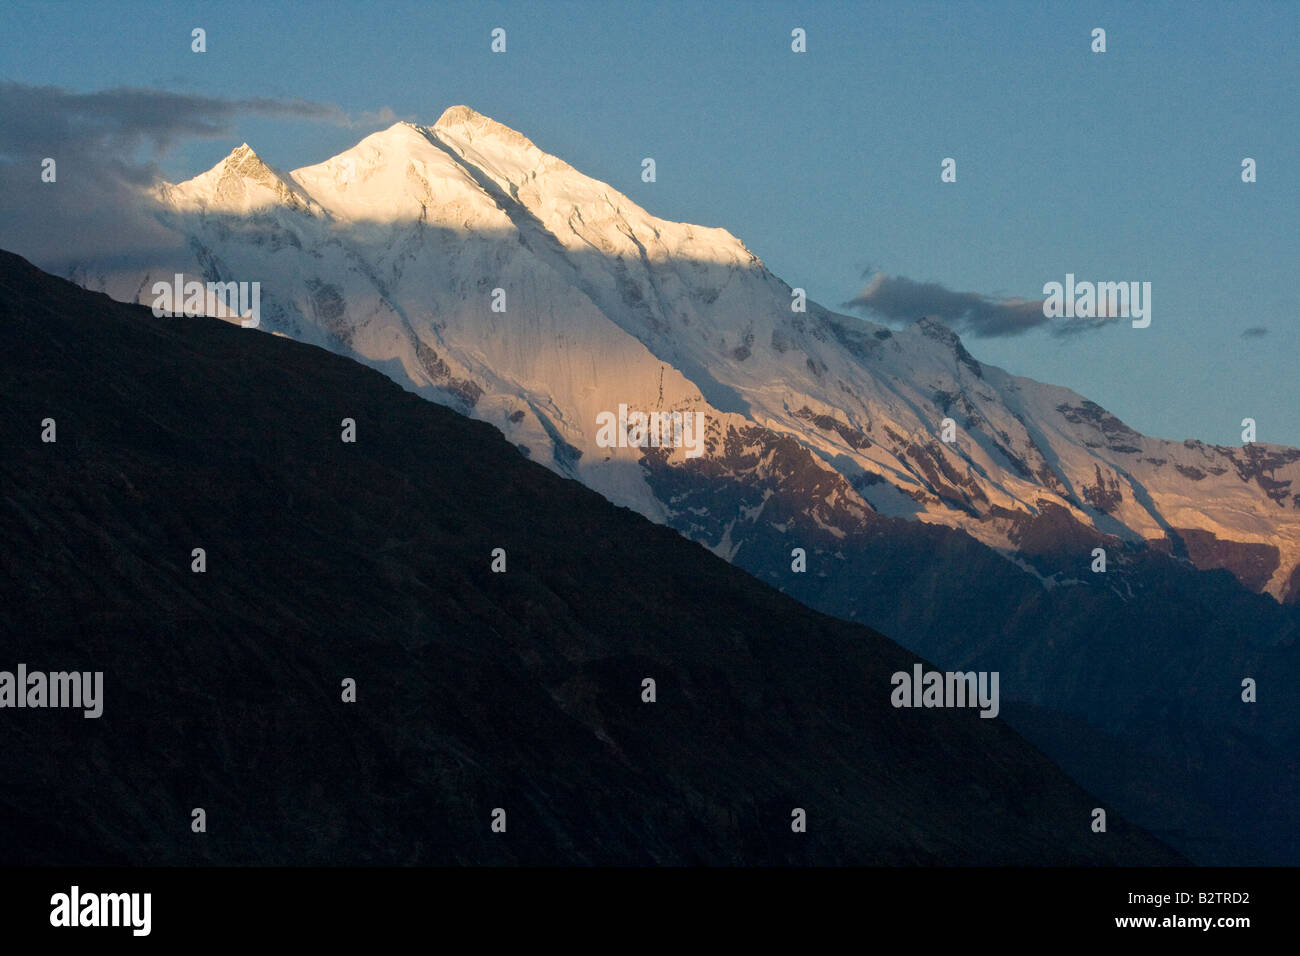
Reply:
x=900, y=300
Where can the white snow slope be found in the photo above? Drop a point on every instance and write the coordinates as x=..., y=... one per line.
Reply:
x=391, y=251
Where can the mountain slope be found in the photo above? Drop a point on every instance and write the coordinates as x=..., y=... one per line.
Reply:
x=475, y=690
x=391, y=252
x=824, y=433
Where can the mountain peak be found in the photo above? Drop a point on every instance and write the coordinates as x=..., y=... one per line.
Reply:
x=241, y=182
x=934, y=329
x=939, y=332
x=244, y=160
x=241, y=161
x=460, y=114
x=400, y=128
x=471, y=124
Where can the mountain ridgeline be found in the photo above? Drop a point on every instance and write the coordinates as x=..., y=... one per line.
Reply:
x=472, y=266
x=475, y=691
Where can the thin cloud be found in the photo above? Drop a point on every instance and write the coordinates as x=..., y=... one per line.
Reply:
x=126, y=118
x=384, y=116
x=901, y=300
x=106, y=146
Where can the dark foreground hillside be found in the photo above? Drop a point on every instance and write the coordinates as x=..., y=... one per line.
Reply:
x=475, y=690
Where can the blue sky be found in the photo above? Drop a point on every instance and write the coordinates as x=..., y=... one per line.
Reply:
x=1116, y=166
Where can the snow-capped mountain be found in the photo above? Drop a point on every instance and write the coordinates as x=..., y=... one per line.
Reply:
x=482, y=272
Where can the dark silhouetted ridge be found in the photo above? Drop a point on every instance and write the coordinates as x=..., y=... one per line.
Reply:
x=475, y=690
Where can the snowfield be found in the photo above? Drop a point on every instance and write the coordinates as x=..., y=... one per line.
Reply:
x=393, y=251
